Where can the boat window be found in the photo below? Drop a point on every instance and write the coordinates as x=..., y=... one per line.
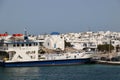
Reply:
x=18, y=45
x=14, y=45
x=26, y=44
x=22, y=45
x=19, y=57
x=30, y=44
x=33, y=51
x=34, y=44
x=75, y=56
x=7, y=45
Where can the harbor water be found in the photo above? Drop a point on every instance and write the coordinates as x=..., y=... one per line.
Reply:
x=76, y=72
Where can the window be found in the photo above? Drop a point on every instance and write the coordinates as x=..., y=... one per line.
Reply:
x=26, y=44
x=7, y=45
x=18, y=45
x=41, y=44
x=33, y=51
x=36, y=44
x=14, y=45
x=19, y=57
x=30, y=44
x=48, y=44
x=54, y=45
x=22, y=45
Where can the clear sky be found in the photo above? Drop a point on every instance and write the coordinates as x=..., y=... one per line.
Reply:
x=46, y=16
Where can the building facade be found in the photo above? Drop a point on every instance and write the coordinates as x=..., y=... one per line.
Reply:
x=54, y=41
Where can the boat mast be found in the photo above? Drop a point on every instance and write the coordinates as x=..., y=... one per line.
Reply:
x=25, y=34
x=110, y=46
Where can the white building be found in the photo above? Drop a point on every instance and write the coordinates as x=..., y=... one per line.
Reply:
x=54, y=41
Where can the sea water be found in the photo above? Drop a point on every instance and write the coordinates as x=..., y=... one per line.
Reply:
x=76, y=72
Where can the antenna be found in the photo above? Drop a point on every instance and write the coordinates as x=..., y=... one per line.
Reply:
x=25, y=31
x=25, y=34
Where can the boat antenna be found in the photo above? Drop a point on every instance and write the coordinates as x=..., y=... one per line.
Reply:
x=25, y=31
x=25, y=34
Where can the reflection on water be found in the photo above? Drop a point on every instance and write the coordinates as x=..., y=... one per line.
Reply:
x=23, y=73
x=80, y=72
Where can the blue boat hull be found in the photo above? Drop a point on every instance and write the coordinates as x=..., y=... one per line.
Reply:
x=46, y=62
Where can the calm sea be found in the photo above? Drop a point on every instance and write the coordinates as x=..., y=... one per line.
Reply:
x=78, y=72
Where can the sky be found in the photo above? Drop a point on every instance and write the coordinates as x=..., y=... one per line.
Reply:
x=64, y=16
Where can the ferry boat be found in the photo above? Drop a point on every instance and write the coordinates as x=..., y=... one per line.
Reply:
x=21, y=53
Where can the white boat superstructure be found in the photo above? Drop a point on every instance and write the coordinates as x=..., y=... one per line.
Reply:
x=19, y=51
x=27, y=52
x=68, y=55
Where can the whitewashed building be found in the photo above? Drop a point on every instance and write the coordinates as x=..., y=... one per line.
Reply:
x=54, y=41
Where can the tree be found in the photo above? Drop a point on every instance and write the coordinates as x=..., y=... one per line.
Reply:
x=41, y=51
x=117, y=48
x=105, y=47
x=68, y=44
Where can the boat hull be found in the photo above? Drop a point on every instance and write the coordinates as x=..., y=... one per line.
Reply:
x=46, y=62
x=108, y=62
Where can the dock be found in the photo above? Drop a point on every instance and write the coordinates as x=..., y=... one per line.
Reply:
x=108, y=58
x=108, y=62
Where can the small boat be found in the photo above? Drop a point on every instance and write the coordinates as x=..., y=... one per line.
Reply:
x=109, y=61
x=20, y=53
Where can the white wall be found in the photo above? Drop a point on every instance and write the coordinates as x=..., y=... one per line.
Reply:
x=54, y=42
